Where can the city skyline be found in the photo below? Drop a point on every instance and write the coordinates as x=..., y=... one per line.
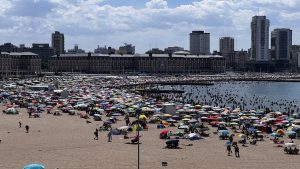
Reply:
x=144, y=23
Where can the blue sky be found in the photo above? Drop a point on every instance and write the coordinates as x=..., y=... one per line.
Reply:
x=144, y=23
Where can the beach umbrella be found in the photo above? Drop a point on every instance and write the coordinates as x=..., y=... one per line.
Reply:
x=167, y=115
x=185, y=119
x=176, y=117
x=116, y=114
x=280, y=131
x=164, y=132
x=157, y=115
x=187, y=116
x=291, y=133
x=193, y=121
x=165, y=123
x=235, y=120
x=183, y=127
x=234, y=124
x=197, y=106
x=194, y=136
x=171, y=120
x=276, y=135
x=143, y=116
x=221, y=123
x=254, y=118
x=34, y=166
x=224, y=132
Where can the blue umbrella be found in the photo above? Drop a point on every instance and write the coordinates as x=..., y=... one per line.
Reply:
x=291, y=132
x=224, y=132
x=276, y=135
x=251, y=130
x=34, y=166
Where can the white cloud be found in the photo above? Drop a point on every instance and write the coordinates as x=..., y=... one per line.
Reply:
x=157, y=4
x=290, y=16
x=156, y=23
x=5, y=5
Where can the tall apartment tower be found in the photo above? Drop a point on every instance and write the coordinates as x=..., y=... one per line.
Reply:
x=260, y=39
x=199, y=43
x=226, y=45
x=58, y=42
x=281, y=40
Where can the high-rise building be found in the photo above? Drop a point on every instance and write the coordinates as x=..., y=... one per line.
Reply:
x=226, y=45
x=294, y=57
x=58, y=42
x=260, y=39
x=281, y=40
x=199, y=43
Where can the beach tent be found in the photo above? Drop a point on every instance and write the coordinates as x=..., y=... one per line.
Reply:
x=193, y=136
x=34, y=166
x=11, y=111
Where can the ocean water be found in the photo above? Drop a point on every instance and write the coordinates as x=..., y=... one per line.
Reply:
x=277, y=96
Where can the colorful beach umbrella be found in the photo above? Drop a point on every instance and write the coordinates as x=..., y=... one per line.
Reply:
x=276, y=135
x=34, y=166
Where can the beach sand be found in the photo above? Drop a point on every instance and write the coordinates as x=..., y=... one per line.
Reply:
x=66, y=142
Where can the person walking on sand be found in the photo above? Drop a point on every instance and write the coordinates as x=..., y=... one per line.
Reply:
x=236, y=151
x=27, y=128
x=229, y=149
x=96, y=134
x=109, y=136
x=20, y=124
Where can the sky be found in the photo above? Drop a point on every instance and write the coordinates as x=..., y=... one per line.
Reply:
x=144, y=23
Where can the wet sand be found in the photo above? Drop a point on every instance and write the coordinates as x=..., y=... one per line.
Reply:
x=67, y=142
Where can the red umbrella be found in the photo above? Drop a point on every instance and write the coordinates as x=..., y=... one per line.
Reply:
x=164, y=132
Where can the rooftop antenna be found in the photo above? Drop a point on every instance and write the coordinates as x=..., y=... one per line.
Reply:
x=257, y=11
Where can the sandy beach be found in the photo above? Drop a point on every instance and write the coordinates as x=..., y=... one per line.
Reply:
x=66, y=142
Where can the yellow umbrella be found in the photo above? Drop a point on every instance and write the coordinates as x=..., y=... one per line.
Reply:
x=167, y=115
x=290, y=128
x=197, y=106
x=143, y=117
